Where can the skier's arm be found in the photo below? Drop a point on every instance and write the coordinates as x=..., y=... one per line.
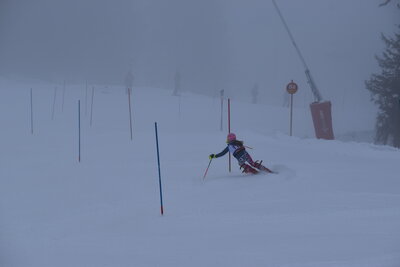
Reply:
x=223, y=152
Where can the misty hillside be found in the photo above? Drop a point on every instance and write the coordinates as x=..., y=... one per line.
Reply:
x=214, y=44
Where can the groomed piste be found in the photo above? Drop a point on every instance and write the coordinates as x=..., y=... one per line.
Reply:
x=332, y=203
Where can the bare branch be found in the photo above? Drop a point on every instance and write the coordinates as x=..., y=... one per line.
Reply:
x=385, y=3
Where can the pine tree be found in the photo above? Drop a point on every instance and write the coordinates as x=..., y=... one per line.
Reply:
x=385, y=93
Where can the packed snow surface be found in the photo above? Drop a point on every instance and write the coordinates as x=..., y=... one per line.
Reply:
x=331, y=204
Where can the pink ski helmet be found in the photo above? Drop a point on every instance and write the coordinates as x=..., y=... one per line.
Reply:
x=231, y=137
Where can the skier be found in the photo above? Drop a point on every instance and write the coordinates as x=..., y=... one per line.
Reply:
x=238, y=150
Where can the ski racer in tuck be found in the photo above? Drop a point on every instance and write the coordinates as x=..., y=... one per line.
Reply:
x=238, y=150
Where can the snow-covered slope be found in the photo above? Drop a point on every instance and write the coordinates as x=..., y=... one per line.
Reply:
x=332, y=203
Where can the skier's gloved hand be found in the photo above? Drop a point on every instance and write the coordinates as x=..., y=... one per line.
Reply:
x=211, y=156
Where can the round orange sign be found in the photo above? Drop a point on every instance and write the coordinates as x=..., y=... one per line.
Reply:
x=291, y=88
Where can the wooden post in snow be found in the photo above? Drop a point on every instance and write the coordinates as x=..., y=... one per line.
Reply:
x=54, y=103
x=130, y=111
x=63, y=96
x=31, y=111
x=91, y=107
x=79, y=131
x=86, y=97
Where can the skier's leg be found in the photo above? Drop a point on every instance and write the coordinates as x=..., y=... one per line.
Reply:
x=248, y=169
x=256, y=164
x=250, y=160
x=259, y=166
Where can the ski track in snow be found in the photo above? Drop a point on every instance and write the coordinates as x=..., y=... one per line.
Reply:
x=284, y=171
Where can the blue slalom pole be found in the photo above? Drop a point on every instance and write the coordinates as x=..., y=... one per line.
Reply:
x=159, y=170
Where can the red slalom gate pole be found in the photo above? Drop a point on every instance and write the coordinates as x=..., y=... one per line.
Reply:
x=229, y=129
x=222, y=108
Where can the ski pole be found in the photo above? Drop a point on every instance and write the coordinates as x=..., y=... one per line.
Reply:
x=248, y=147
x=207, y=169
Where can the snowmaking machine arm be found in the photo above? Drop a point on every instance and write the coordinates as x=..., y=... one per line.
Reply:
x=310, y=81
x=314, y=89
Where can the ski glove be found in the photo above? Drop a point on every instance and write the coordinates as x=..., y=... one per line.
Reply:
x=211, y=156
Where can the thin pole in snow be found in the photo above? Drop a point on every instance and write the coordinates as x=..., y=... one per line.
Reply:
x=91, y=107
x=222, y=108
x=179, y=106
x=291, y=113
x=31, y=111
x=130, y=110
x=159, y=169
x=291, y=88
x=54, y=103
x=229, y=130
x=79, y=129
x=86, y=97
x=63, y=96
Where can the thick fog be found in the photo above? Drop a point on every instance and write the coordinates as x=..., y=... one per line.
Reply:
x=213, y=44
